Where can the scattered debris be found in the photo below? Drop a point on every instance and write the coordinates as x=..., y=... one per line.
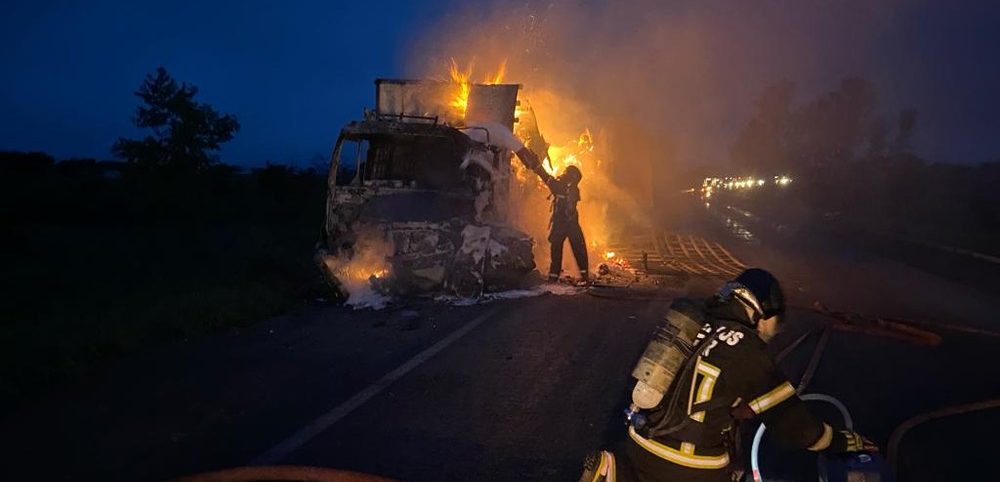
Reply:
x=902, y=330
x=662, y=265
x=557, y=289
x=408, y=320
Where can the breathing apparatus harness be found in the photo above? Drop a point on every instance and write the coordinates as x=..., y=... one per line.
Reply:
x=670, y=356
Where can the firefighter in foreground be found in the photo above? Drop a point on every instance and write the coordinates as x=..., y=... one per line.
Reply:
x=706, y=369
x=565, y=221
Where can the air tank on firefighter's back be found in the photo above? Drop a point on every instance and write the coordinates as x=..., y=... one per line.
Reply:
x=671, y=344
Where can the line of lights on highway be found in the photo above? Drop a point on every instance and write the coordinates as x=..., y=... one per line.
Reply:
x=711, y=184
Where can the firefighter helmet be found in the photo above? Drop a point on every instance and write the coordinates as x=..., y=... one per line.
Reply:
x=572, y=175
x=759, y=290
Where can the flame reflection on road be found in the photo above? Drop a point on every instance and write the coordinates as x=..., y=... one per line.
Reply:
x=734, y=226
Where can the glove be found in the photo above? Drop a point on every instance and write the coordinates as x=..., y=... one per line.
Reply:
x=529, y=159
x=849, y=441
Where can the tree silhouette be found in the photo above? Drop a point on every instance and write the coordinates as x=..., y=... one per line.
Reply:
x=763, y=144
x=906, y=125
x=834, y=128
x=184, y=131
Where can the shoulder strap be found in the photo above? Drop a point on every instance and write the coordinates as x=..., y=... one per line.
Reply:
x=687, y=421
x=685, y=373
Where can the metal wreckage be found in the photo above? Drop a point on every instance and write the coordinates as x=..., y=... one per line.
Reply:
x=418, y=195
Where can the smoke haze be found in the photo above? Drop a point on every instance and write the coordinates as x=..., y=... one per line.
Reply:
x=688, y=72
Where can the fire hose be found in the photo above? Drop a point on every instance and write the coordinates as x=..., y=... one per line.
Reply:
x=912, y=331
x=754, y=459
x=803, y=383
x=892, y=451
x=315, y=474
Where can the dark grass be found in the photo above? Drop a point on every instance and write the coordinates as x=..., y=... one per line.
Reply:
x=82, y=289
x=79, y=295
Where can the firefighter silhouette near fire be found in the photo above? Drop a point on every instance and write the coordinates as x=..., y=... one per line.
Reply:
x=565, y=221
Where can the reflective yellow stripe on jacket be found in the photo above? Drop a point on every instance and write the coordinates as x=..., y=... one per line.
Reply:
x=780, y=393
x=680, y=458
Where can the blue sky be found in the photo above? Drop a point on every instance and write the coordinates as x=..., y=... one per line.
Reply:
x=295, y=71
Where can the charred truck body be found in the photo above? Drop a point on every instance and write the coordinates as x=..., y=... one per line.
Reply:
x=418, y=194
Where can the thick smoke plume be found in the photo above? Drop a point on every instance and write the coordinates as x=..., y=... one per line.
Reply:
x=664, y=88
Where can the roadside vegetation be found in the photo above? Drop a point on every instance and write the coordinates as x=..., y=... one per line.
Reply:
x=104, y=258
x=855, y=171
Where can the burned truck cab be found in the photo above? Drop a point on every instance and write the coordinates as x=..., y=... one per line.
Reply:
x=416, y=204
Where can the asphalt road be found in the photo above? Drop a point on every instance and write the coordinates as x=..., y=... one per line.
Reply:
x=526, y=392
x=512, y=390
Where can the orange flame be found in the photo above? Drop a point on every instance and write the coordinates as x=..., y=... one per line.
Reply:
x=369, y=263
x=581, y=149
x=498, y=77
x=463, y=85
x=570, y=154
x=460, y=99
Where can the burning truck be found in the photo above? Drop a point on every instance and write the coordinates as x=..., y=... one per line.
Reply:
x=419, y=193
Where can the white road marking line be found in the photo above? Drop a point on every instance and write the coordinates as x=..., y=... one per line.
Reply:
x=325, y=421
x=951, y=249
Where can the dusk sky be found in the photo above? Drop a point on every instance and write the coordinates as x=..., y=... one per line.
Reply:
x=294, y=72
